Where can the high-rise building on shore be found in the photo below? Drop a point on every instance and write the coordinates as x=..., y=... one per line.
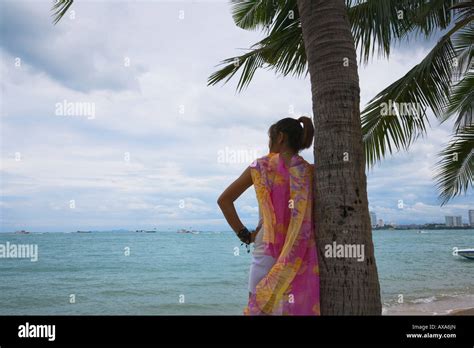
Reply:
x=458, y=221
x=448, y=220
x=380, y=223
x=471, y=217
x=453, y=221
x=373, y=218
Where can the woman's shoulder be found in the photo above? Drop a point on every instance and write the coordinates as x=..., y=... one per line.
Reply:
x=305, y=162
x=263, y=161
x=308, y=167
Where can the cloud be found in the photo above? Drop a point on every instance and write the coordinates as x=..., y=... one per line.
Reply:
x=151, y=155
x=67, y=52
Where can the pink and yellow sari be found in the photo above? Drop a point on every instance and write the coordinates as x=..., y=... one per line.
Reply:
x=285, y=199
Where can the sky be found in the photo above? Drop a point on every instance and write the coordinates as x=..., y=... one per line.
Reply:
x=152, y=146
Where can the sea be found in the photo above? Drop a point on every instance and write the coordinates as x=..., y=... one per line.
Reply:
x=206, y=273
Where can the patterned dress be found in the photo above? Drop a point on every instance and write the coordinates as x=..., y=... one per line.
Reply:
x=285, y=199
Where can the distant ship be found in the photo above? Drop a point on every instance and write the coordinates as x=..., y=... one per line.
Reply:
x=22, y=232
x=83, y=231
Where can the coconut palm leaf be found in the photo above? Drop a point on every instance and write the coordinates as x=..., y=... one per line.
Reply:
x=415, y=88
x=427, y=85
x=464, y=8
x=282, y=50
x=431, y=16
x=463, y=43
x=461, y=102
x=60, y=8
x=378, y=24
x=455, y=170
x=254, y=14
x=374, y=22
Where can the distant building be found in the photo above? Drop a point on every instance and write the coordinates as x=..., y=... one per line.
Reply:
x=373, y=218
x=471, y=218
x=449, y=221
x=453, y=221
x=380, y=223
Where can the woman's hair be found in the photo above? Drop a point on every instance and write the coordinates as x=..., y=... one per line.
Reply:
x=299, y=136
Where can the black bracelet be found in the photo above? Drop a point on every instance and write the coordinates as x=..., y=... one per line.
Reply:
x=244, y=235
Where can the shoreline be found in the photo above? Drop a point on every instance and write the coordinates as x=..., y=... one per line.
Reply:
x=444, y=306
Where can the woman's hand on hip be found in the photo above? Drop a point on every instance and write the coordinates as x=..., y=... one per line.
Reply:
x=253, y=234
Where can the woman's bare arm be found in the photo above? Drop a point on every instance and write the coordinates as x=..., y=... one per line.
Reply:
x=231, y=193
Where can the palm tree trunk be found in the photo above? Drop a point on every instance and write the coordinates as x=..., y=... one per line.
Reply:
x=348, y=286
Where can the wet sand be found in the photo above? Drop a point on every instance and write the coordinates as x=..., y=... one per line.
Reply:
x=469, y=311
x=448, y=305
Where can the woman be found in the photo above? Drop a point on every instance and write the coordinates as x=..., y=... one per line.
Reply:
x=284, y=275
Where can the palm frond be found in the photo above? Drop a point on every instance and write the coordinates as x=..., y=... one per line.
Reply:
x=430, y=16
x=282, y=50
x=374, y=25
x=60, y=7
x=455, y=170
x=427, y=85
x=257, y=14
x=285, y=51
x=461, y=102
x=377, y=24
x=463, y=43
x=464, y=8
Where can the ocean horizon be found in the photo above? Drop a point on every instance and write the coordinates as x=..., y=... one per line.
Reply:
x=206, y=273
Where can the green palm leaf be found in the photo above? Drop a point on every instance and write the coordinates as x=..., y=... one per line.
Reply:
x=461, y=102
x=463, y=43
x=282, y=50
x=254, y=14
x=60, y=8
x=378, y=24
x=374, y=22
x=455, y=170
x=427, y=85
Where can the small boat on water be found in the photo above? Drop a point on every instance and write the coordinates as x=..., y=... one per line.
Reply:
x=146, y=231
x=183, y=230
x=84, y=232
x=467, y=253
x=22, y=232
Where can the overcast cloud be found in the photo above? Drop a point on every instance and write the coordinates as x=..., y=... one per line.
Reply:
x=149, y=152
